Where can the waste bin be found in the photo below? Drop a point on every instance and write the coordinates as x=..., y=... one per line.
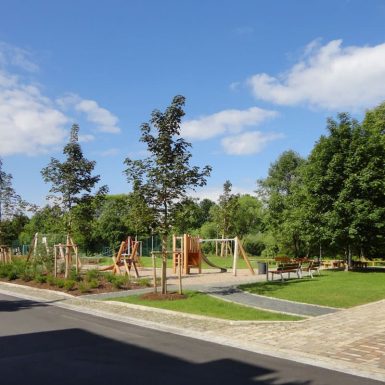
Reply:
x=262, y=267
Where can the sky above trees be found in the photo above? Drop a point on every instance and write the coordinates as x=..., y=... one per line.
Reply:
x=259, y=77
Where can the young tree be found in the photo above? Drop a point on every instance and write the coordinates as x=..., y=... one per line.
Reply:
x=166, y=175
x=11, y=204
x=225, y=212
x=72, y=179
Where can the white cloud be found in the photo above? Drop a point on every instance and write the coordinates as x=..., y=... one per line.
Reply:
x=17, y=57
x=105, y=121
x=329, y=76
x=248, y=143
x=29, y=122
x=225, y=122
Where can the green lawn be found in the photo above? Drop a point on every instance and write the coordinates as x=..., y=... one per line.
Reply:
x=203, y=304
x=333, y=288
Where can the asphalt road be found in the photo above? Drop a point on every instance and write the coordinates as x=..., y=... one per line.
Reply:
x=41, y=344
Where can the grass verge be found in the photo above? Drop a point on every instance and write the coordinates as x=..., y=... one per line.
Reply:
x=333, y=288
x=203, y=304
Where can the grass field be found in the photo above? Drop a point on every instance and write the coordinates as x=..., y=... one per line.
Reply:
x=333, y=288
x=203, y=304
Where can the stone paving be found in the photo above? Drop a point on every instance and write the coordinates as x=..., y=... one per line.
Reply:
x=350, y=340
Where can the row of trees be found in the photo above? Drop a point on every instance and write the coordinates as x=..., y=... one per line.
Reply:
x=332, y=202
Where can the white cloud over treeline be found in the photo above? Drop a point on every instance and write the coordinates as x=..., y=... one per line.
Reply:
x=231, y=125
x=328, y=76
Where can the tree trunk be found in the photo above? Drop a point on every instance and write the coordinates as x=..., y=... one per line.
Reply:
x=164, y=264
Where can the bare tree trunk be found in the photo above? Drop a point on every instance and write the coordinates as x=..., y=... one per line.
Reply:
x=164, y=264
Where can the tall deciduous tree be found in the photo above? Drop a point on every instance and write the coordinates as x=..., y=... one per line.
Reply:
x=166, y=175
x=328, y=176
x=72, y=180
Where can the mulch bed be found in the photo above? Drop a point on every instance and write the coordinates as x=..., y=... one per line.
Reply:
x=104, y=287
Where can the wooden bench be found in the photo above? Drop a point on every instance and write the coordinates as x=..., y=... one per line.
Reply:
x=290, y=267
x=312, y=266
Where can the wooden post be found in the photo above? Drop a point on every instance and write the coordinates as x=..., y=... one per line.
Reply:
x=154, y=271
x=180, y=272
x=175, y=260
x=164, y=273
x=55, y=261
x=235, y=256
x=242, y=250
x=185, y=249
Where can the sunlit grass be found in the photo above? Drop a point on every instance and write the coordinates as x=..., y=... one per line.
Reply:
x=203, y=304
x=333, y=288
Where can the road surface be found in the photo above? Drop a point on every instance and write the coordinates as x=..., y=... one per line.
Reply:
x=42, y=344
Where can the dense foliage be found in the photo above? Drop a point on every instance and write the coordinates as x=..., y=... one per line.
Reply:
x=331, y=203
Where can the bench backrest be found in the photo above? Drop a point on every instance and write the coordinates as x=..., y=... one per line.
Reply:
x=288, y=266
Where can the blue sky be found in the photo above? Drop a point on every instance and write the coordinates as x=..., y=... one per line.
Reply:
x=260, y=77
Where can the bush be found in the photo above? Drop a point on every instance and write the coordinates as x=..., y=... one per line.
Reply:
x=92, y=275
x=51, y=280
x=93, y=283
x=146, y=282
x=120, y=281
x=5, y=270
x=12, y=275
x=59, y=282
x=83, y=287
x=74, y=276
x=254, y=244
x=69, y=284
x=41, y=278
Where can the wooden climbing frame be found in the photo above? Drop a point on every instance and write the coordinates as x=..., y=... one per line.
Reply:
x=5, y=254
x=126, y=257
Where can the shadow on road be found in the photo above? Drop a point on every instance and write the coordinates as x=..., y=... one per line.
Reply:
x=75, y=356
x=20, y=304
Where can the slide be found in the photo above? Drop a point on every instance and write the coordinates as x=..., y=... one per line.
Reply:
x=223, y=270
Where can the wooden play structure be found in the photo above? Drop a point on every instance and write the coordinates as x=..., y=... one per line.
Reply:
x=62, y=254
x=187, y=253
x=5, y=254
x=126, y=257
x=68, y=255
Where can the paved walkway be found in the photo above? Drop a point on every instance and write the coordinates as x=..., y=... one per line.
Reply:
x=351, y=341
x=274, y=304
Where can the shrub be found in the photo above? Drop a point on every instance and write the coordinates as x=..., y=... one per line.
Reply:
x=93, y=283
x=59, y=282
x=74, y=276
x=92, y=275
x=41, y=278
x=51, y=280
x=12, y=275
x=69, y=284
x=5, y=270
x=83, y=287
x=120, y=281
x=146, y=282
